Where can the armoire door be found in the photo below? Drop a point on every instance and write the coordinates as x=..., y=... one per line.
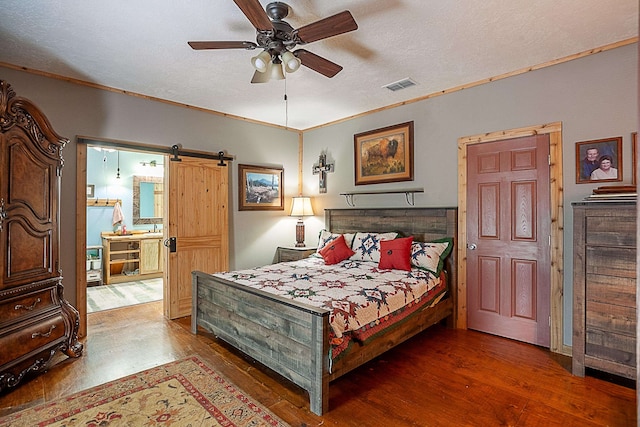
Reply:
x=29, y=206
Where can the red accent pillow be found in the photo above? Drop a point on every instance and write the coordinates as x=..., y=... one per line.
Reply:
x=396, y=254
x=336, y=251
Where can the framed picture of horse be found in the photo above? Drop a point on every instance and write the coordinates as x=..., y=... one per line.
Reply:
x=384, y=155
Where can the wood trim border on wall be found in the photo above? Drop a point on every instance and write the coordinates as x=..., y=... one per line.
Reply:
x=567, y=58
x=485, y=81
x=557, y=222
x=81, y=236
x=300, y=161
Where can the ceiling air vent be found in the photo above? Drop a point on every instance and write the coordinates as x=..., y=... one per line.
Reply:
x=401, y=84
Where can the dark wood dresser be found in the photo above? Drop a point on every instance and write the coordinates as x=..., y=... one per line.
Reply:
x=35, y=319
x=604, y=287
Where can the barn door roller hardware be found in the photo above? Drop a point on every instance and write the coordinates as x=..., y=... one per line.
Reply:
x=220, y=156
x=175, y=151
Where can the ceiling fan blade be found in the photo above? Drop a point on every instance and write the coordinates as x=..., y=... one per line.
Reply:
x=255, y=14
x=222, y=45
x=339, y=23
x=317, y=63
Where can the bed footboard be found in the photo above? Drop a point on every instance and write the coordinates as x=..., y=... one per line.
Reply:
x=290, y=338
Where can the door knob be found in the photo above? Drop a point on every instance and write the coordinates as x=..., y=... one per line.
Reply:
x=472, y=246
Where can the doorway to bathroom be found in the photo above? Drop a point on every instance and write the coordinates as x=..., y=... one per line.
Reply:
x=138, y=252
x=124, y=226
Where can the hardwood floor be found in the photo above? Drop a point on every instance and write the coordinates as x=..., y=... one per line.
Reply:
x=441, y=377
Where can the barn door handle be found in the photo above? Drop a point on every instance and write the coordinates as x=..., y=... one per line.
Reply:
x=472, y=246
x=170, y=243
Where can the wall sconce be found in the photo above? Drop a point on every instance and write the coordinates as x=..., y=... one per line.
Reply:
x=300, y=207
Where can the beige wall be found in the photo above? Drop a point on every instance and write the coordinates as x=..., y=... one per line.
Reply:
x=78, y=110
x=593, y=97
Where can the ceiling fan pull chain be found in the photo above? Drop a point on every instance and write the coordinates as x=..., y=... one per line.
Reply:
x=286, y=106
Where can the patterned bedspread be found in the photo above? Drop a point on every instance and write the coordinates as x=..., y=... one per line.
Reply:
x=362, y=299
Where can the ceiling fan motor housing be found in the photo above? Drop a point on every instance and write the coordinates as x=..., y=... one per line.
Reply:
x=281, y=38
x=277, y=40
x=277, y=10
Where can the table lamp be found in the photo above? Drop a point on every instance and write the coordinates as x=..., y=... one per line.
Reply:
x=300, y=207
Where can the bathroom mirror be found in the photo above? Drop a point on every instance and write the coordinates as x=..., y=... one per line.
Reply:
x=147, y=200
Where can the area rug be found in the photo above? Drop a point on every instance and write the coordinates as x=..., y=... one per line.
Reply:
x=106, y=297
x=181, y=393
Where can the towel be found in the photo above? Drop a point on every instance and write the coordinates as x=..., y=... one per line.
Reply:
x=118, y=216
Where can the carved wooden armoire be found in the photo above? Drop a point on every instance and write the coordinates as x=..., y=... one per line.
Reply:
x=35, y=319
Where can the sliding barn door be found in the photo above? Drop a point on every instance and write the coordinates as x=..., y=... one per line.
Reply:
x=198, y=227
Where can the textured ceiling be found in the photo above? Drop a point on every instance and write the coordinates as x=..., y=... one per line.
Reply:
x=141, y=46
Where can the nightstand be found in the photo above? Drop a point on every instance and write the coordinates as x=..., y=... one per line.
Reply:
x=291, y=253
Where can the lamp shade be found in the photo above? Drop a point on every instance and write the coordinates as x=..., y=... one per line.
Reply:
x=301, y=206
x=261, y=61
x=259, y=77
x=276, y=70
x=290, y=61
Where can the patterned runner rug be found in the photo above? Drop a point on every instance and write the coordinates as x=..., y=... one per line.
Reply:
x=181, y=393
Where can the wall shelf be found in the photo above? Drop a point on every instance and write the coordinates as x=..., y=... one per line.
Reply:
x=408, y=193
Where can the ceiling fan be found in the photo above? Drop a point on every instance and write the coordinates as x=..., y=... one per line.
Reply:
x=276, y=37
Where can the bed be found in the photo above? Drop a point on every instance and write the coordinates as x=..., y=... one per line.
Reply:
x=295, y=339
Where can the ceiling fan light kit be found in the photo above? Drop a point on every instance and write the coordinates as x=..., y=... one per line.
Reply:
x=291, y=63
x=276, y=70
x=276, y=37
x=259, y=77
x=261, y=61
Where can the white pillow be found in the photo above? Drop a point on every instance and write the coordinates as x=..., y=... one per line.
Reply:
x=367, y=245
x=431, y=255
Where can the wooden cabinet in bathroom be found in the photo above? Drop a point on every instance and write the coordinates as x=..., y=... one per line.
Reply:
x=131, y=257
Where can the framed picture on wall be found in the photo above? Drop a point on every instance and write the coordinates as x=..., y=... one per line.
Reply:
x=260, y=188
x=384, y=155
x=599, y=160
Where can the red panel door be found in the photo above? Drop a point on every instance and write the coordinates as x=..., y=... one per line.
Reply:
x=508, y=238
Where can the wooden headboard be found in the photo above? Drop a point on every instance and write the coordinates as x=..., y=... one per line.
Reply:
x=424, y=224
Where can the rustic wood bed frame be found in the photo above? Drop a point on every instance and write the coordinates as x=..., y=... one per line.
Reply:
x=292, y=338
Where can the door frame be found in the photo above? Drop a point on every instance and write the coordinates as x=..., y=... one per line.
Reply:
x=557, y=220
x=81, y=212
